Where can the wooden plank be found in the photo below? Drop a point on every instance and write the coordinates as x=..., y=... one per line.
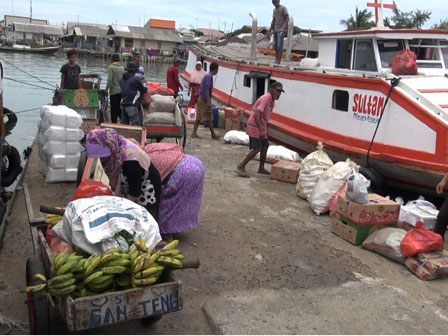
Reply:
x=128, y=131
x=29, y=206
x=110, y=308
x=45, y=251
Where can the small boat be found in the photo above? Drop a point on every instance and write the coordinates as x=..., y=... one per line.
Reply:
x=27, y=49
x=395, y=127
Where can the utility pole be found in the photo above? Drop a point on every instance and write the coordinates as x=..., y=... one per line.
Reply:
x=224, y=27
x=196, y=23
x=31, y=10
x=219, y=24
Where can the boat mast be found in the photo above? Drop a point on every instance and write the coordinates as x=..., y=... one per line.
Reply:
x=379, y=13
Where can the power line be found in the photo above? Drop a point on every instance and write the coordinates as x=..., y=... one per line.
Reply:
x=18, y=81
x=40, y=80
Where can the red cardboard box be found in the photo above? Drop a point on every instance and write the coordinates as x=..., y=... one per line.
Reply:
x=232, y=113
x=379, y=210
x=286, y=171
x=429, y=266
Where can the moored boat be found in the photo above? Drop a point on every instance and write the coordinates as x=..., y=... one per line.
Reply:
x=394, y=127
x=27, y=49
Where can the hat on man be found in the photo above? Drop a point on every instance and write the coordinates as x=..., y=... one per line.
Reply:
x=131, y=67
x=116, y=57
x=176, y=59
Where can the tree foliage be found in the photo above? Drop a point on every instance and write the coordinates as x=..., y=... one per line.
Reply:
x=242, y=30
x=197, y=32
x=410, y=19
x=361, y=20
x=442, y=25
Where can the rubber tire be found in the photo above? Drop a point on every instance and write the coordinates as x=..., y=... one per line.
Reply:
x=38, y=309
x=10, y=173
x=377, y=183
x=12, y=120
x=81, y=166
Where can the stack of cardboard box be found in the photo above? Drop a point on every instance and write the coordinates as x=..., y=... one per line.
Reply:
x=233, y=119
x=355, y=222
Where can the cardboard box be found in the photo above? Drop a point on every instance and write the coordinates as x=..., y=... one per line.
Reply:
x=286, y=171
x=379, y=210
x=221, y=119
x=354, y=233
x=232, y=113
x=410, y=215
x=232, y=124
x=429, y=266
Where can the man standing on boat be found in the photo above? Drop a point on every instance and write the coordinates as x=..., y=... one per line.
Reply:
x=257, y=129
x=70, y=73
x=279, y=27
x=115, y=73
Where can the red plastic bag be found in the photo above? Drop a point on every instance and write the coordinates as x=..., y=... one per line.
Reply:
x=91, y=188
x=163, y=91
x=420, y=240
x=404, y=63
x=153, y=86
x=146, y=99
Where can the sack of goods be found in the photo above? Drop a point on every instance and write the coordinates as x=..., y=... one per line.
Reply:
x=58, y=143
x=313, y=167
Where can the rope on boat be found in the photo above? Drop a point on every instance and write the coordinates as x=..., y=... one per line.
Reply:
x=27, y=73
x=393, y=83
x=22, y=82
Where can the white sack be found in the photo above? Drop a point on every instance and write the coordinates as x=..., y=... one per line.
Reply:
x=356, y=190
x=313, y=167
x=91, y=223
x=64, y=148
x=60, y=175
x=63, y=134
x=329, y=184
x=57, y=161
x=60, y=115
x=161, y=103
x=278, y=153
x=237, y=138
x=162, y=118
x=386, y=242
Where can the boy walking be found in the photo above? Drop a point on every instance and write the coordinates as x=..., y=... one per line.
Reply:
x=70, y=72
x=132, y=89
x=205, y=102
x=257, y=129
x=115, y=73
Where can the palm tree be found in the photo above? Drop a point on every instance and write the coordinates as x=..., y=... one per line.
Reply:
x=362, y=20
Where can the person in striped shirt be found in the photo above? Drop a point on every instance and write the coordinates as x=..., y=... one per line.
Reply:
x=257, y=129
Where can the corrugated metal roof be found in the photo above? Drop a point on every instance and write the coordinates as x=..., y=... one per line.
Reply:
x=146, y=33
x=38, y=29
x=87, y=29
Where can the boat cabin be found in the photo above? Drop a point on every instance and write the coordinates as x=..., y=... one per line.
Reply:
x=373, y=50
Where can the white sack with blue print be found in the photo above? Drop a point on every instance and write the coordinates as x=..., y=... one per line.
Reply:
x=99, y=223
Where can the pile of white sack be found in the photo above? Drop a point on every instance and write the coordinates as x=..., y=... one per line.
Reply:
x=58, y=143
x=321, y=182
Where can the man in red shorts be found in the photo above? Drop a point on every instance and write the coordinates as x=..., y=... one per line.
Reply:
x=257, y=129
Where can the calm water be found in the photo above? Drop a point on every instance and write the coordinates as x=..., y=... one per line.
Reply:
x=19, y=97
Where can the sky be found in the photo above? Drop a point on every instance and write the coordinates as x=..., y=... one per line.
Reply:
x=223, y=14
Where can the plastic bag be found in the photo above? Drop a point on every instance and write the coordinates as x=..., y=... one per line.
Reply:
x=57, y=245
x=91, y=188
x=386, y=242
x=418, y=210
x=97, y=224
x=191, y=115
x=404, y=63
x=328, y=185
x=237, y=138
x=421, y=240
x=356, y=190
x=313, y=167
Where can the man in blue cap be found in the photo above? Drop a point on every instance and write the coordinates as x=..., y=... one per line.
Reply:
x=172, y=77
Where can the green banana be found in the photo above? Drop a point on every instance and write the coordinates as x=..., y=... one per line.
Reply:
x=123, y=281
x=151, y=260
x=93, y=277
x=63, y=291
x=80, y=267
x=113, y=250
x=141, y=264
x=134, y=254
x=179, y=256
x=68, y=266
x=92, y=265
x=60, y=259
x=36, y=288
x=50, y=299
x=144, y=282
x=105, y=258
x=113, y=269
x=60, y=278
x=89, y=260
x=149, y=272
x=87, y=292
x=170, y=262
x=171, y=245
x=118, y=262
x=140, y=244
x=102, y=286
x=102, y=279
x=169, y=253
x=125, y=256
x=40, y=277
x=137, y=260
x=63, y=284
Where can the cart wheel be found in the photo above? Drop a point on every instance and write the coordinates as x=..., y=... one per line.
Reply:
x=182, y=140
x=38, y=312
x=147, y=321
x=81, y=166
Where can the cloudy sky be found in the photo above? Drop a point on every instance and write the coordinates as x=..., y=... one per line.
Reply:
x=318, y=14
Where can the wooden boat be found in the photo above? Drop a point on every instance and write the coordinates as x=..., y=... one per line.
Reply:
x=394, y=127
x=28, y=49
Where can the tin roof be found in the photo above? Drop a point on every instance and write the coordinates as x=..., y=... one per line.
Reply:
x=87, y=29
x=145, y=33
x=38, y=29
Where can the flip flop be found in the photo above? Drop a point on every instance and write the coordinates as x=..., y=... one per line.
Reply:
x=241, y=174
x=265, y=172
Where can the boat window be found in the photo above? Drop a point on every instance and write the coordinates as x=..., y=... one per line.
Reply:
x=205, y=65
x=340, y=100
x=427, y=51
x=388, y=49
x=365, y=56
x=444, y=45
x=344, y=54
x=247, y=81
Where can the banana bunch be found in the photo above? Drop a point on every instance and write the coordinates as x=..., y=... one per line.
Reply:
x=52, y=219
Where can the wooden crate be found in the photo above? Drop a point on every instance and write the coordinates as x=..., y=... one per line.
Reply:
x=128, y=131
